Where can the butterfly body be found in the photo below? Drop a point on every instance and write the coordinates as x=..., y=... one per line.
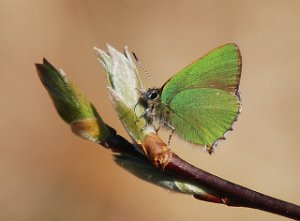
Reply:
x=201, y=102
x=155, y=110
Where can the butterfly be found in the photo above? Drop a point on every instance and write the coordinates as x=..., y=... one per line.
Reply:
x=201, y=102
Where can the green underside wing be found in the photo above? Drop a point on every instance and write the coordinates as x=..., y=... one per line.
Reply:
x=201, y=101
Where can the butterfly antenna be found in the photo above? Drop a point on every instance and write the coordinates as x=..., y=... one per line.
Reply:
x=142, y=66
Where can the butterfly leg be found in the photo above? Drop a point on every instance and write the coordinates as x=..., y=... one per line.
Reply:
x=138, y=118
x=145, y=115
x=157, y=129
x=172, y=132
x=148, y=118
x=147, y=122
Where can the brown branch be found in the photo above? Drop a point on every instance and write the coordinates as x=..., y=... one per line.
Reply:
x=233, y=194
x=229, y=193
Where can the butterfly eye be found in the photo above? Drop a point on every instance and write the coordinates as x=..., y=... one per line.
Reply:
x=153, y=95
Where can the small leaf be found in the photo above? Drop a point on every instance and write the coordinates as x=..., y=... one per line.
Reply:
x=124, y=83
x=143, y=169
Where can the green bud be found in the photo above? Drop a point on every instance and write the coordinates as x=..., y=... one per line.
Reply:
x=71, y=104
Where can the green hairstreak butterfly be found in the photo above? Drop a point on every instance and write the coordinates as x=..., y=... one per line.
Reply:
x=201, y=102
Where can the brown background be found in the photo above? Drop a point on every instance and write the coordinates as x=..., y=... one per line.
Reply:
x=49, y=174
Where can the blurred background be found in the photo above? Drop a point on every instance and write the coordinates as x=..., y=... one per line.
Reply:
x=47, y=173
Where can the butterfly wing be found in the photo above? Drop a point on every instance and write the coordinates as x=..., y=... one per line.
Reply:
x=202, y=101
x=202, y=116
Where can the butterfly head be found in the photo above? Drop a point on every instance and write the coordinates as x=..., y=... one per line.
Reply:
x=149, y=97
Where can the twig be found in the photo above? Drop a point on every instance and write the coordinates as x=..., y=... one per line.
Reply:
x=232, y=194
